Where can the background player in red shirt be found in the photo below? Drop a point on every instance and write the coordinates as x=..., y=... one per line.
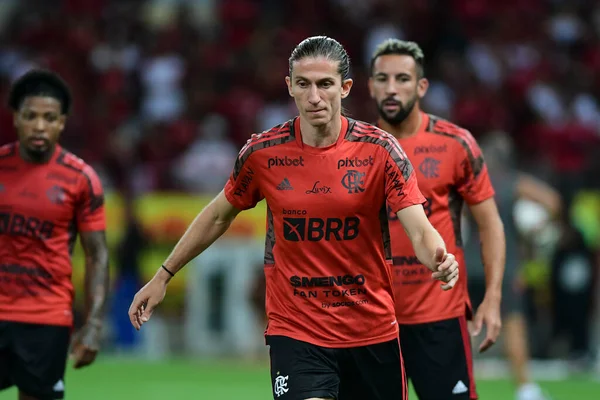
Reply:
x=47, y=197
x=326, y=179
x=450, y=170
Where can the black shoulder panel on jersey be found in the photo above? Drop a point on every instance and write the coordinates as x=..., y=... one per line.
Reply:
x=442, y=127
x=277, y=135
x=359, y=131
x=71, y=161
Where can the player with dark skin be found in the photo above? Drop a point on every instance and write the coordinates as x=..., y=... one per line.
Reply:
x=39, y=123
x=40, y=115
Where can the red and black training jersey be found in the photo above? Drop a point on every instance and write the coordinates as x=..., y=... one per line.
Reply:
x=327, y=249
x=450, y=170
x=42, y=208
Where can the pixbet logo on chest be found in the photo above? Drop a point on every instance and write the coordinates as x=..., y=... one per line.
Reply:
x=355, y=162
x=285, y=162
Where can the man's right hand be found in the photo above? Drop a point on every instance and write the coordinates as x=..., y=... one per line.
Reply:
x=147, y=298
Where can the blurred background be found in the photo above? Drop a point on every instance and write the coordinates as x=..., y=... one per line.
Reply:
x=167, y=91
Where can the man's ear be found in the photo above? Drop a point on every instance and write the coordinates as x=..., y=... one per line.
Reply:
x=288, y=82
x=346, y=86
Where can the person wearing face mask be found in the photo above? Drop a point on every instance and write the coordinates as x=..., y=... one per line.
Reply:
x=511, y=185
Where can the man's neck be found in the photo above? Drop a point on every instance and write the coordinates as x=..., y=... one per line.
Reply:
x=407, y=128
x=36, y=158
x=321, y=136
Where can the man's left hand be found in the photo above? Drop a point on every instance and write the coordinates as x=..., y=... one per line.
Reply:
x=86, y=345
x=488, y=314
x=446, y=268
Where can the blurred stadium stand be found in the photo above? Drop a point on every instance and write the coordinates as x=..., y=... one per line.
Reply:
x=166, y=91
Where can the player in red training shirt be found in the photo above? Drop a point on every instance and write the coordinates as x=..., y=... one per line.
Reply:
x=47, y=197
x=450, y=170
x=326, y=179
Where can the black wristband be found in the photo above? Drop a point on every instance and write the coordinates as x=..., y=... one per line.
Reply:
x=165, y=268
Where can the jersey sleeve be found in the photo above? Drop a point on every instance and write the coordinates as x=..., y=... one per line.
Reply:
x=473, y=180
x=401, y=188
x=242, y=188
x=90, y=213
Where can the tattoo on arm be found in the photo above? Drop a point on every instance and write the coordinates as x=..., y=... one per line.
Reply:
x=96, y=275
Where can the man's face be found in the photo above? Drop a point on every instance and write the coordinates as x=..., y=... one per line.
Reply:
x=395, y=86
x=39, y=123
x=317, y=89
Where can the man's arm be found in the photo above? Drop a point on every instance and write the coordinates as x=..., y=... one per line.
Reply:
x=493, y=245
x=423, y=236
x=96, y=275
x=207, y=227
x=242, y=191
x=86, y=343
x=493, y=255
x=212, y=222
x=429, y=246
x=533, y=189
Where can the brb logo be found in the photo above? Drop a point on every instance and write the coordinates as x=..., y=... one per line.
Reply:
x=354, y=181
x=355, y=162
x=317, y=229
x=285, y=162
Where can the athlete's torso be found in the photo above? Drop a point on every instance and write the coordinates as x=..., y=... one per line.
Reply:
x=328, y=281
x=450, y=170
x=39, y=221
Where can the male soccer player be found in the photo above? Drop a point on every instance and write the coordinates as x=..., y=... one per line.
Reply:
x=450, y=169
x=326, y=179
x=47, y=197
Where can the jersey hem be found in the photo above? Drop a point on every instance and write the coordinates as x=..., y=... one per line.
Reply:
x=35, y=320
x=418, y=321
x=335, y=344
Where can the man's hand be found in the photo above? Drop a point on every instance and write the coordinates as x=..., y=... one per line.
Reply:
x=488, y=313
x=146, y=300
x=447, y=268
x=86, y=345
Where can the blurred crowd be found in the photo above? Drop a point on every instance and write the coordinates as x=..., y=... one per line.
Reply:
x=166, y=88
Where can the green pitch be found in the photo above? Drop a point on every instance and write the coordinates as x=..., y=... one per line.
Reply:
x=125, y=379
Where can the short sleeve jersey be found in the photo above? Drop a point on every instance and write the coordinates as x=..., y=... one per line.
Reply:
x=450, y=170
x=42, y=208
x=327, y=249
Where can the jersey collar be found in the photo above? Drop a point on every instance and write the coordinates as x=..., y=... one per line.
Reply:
x=311, y=149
